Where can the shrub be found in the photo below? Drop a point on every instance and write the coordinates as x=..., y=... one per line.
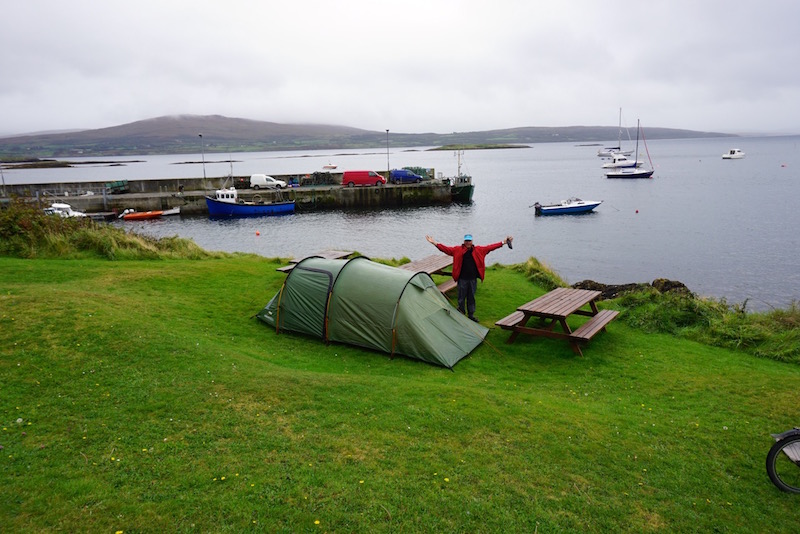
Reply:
x=26, y=232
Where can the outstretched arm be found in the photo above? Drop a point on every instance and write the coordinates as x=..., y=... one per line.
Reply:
x=431, y=240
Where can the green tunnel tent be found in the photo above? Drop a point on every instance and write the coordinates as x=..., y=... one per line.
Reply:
x=371, y=305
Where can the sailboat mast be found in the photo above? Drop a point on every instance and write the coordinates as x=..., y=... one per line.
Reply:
x=637, y=140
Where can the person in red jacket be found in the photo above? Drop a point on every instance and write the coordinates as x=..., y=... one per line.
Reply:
x=469, y=264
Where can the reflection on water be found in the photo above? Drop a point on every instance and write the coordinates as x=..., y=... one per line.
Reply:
x=725, y=228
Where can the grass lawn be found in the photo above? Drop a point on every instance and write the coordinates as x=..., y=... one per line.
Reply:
x=142, y=396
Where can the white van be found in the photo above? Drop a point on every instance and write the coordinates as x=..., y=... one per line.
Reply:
x=258, y=181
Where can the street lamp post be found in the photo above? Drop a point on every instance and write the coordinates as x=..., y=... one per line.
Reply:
x=387, y=153
x=203, y=152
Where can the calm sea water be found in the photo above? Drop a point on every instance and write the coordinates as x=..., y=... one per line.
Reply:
x=725, y=228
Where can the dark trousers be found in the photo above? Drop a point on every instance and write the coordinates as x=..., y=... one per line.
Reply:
x=466, y=294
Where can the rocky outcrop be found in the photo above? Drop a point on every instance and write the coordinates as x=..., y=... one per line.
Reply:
x=612, y=291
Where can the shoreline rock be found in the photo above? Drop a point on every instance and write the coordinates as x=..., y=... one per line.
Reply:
x=612, y=291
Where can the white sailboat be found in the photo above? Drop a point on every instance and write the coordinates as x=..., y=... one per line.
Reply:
x=633, y=172
x=611, y=151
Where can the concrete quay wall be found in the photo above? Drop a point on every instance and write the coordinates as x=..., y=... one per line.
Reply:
x=189, y=195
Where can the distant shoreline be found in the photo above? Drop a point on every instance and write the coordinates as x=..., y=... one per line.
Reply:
x=476, y=147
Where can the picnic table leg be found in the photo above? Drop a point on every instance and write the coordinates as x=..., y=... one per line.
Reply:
x=565, y=326
x=516, y=332
x=576, y=348
x=567, y=330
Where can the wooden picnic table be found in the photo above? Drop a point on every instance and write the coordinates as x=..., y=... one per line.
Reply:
x=552, y=309
x=434, y=264
x=327, y=254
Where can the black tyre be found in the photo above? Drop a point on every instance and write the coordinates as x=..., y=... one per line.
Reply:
x=378, y=183
x=351, y=184
x=256, y=187
x=783, y=464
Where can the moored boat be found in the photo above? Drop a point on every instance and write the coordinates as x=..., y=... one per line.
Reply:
x=565, y=207
x=131, y=215
x=226, y=203
x=613, y=151
x=733, y=153
x=633, y=172
x=63, y=210
x=630, y=172
x=461, y=187
x=620, y=161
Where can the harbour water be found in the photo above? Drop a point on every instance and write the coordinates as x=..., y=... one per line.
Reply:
x=725, y=228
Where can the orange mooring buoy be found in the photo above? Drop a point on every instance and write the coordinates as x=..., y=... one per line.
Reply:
x=258, y=233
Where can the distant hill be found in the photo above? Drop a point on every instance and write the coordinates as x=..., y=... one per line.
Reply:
x=181, y=134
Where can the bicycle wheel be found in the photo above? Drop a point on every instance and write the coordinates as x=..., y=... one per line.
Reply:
x=783, y=464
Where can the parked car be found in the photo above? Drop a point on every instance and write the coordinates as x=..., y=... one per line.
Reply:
x=404, y=176
x=354, y=178
x=258, y=181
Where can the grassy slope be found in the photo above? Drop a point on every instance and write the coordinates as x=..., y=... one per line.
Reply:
x=150, y=400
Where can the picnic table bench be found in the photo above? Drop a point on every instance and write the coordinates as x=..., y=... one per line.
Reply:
x=434, y=264
x=327, y=254
x=553, y=309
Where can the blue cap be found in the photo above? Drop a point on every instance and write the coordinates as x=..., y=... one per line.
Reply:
x=468, y=237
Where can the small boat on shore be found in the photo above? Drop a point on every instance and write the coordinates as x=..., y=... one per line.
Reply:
x=227, y=203
x=329, y=167
x=733, y=153
x=572, y=205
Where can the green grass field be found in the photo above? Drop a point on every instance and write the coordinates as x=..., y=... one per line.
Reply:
x=142, y=396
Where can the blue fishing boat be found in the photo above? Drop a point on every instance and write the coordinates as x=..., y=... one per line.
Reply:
x=227, y=204
x=566, y=207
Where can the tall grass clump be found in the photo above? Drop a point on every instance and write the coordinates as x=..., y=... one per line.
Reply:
x=541, y=274
x=26, y=232
x=774, y=335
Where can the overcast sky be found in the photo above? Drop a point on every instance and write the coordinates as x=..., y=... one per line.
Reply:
x=408, y=65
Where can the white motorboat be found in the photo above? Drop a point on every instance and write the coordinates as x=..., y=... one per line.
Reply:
x=620, y=161
x=611, y=151
x=63, y=210
x=733, y=153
